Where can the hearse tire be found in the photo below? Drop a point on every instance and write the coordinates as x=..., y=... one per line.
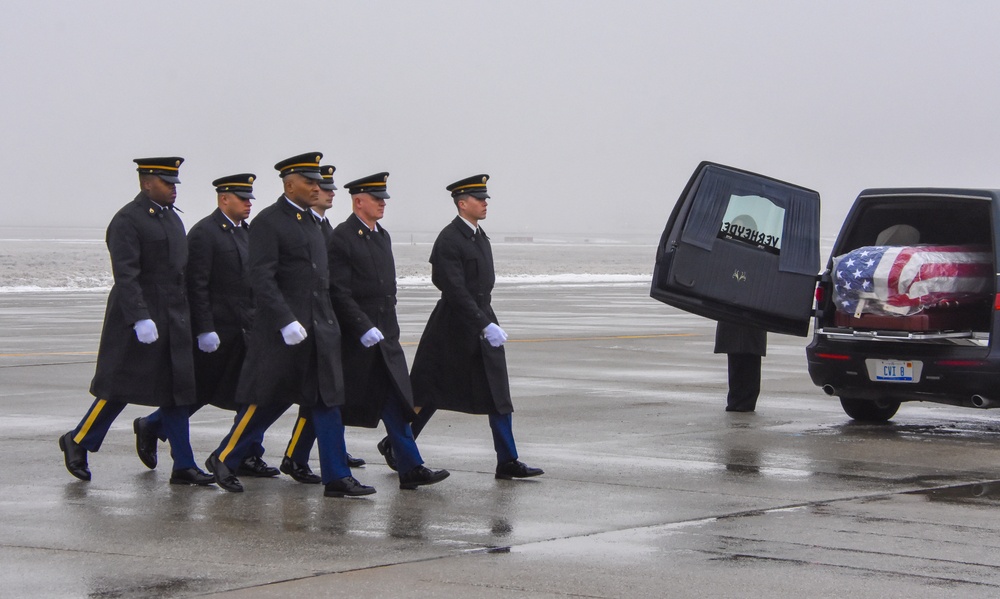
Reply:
x=864, y=410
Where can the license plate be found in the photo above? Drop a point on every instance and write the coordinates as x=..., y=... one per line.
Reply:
x=894, y=371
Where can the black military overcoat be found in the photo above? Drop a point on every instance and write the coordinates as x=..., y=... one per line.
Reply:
x=733, y=338
x=148, y=255
x=363, y=290
x=455, y=368
x=291, y=279
x=218, y=276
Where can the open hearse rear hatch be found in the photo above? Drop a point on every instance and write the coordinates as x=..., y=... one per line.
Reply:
x=741, y=247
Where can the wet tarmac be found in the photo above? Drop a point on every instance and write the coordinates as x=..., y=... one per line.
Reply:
x=651, y=489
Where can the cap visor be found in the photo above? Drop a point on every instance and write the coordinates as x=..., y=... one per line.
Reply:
x=169, y=179
x=315, y=175
x=382, y=195
x=482, y=195
x=328, y=186
x=246, y=195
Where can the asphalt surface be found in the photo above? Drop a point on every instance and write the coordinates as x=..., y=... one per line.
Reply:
x=650, y=488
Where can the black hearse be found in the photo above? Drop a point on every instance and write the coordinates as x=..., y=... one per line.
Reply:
x=743, y=247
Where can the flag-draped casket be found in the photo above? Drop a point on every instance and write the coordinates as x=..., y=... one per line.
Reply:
x=905, y=280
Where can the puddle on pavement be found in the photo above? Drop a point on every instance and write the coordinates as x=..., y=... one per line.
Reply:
x=170, y=587
x=984, y=493
x=972, y=429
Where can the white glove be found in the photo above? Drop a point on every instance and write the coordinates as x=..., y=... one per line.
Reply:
x=494, y=334
x=209, y=342
x=294, y=333
x=372, y=337
x=145, y=331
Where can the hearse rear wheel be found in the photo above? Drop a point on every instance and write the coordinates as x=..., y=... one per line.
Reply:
x=866, y=410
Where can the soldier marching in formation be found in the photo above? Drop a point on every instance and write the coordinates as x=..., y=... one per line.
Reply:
x=460, y=363
x=145, y=352
x=363, y=289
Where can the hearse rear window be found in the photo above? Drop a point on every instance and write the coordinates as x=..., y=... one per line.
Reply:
x=754, y=220
x=794, y=228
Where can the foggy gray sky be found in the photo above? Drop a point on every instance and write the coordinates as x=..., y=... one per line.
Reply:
x=589, y=115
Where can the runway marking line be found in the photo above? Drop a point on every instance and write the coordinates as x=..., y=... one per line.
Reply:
x=58, y=353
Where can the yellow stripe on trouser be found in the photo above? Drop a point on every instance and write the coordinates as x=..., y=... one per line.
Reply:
x=235, y=437
x=299, y=425
x=90, y=420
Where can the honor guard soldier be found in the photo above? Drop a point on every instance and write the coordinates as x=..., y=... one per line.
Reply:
x=460, y=363
x=293, y=355
x=363, y=290
x=218, y=279
x=295, y=463
x=145, y=351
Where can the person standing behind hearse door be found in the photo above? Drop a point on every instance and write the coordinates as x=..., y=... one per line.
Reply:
x=744, y=347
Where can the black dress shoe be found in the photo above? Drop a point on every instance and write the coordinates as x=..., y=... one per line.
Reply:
x=256, y=467
x=145, y=442
x=75, y=456
x=224, y=477
x=515, y=469
x=300, y=472
x=385, y=448
x=421, y=476
x=191, y=476
x=353, y=462
x=347, y=486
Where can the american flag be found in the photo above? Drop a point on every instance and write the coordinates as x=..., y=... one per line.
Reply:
x=903, y=280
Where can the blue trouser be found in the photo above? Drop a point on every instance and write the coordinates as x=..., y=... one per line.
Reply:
x=253, y=420
x=329, y=428
x=247, y=432
x=301, y=442
x=91, y=431
x=404, y=448
x=155, y=421
x=401, y=437
x=500, y=424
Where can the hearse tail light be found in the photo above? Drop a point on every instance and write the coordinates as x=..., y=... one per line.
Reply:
x=960, y=363
x=833, y=356
x=820, y=294
x=996, y=302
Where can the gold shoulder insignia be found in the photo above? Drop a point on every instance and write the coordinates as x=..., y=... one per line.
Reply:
x=298, y=215
x=151, y=211
x=361, y=233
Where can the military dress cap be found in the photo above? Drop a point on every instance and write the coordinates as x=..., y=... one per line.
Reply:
x=306, y=165
x=326, y=171
x=474, y=186
x=241, y=185
x=165, y=167
x=373, y=184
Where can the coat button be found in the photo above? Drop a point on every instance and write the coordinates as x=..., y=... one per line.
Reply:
x=329, y=322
